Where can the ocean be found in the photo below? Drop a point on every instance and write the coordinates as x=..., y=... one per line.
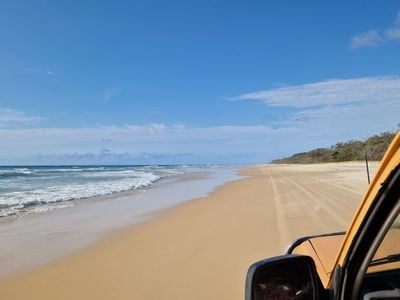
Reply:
x=41, y=188
x=51, y=212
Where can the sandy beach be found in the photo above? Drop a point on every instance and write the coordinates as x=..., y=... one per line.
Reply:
x=201, y=249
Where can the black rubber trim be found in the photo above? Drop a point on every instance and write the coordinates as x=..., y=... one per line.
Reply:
x=299, y=241
x=388, y=294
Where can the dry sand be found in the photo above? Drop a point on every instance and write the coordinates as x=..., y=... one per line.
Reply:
x=202, y=249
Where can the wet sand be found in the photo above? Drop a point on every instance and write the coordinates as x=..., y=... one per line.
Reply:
x=201, y=249
x=31, y=239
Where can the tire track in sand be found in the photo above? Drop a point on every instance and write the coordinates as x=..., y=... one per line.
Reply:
x=283, y=230
x=340, y=203
x=322, y=205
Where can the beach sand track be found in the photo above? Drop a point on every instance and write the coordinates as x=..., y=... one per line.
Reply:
x=202, y=249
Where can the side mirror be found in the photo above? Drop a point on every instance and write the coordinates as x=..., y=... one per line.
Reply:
x=284, y=278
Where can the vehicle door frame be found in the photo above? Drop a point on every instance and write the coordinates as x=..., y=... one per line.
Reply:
x=348, y=278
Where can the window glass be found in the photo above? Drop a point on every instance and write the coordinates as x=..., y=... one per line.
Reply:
x=387, y=257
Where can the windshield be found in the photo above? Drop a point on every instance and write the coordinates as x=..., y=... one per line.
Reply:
x=387, y=257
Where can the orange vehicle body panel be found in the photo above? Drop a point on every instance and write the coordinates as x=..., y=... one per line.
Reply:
x=323, y=251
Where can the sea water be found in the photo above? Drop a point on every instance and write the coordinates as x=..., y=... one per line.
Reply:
x=39, y=188
x=53, y=218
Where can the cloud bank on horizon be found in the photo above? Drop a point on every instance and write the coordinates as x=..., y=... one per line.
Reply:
x=321, y=113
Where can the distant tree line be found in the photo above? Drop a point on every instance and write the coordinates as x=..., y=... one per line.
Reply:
x=374, y=147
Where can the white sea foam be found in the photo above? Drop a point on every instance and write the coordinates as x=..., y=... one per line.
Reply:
x=66, y=170
x=15, y=171
x=122, y=173
x=74, y=191
x=40, y=191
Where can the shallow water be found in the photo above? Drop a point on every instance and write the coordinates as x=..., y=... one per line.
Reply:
x=31, y=188
x=32, y=239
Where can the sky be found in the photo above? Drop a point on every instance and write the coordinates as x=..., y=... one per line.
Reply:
x=186, y=82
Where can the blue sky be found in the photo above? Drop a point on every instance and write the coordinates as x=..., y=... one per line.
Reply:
x=89, y=82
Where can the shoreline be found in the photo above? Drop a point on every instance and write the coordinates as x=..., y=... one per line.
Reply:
x=201, y=249
x=38, y=238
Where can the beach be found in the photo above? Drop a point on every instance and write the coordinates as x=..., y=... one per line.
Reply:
x=202, y=248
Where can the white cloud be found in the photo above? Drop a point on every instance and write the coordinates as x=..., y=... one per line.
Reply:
x=377, y=37
x=311, y=115
x=51, y=73
x=131, y=141
x=334, y=110
x=12, y=117
x=330, y=92
x=371, y=38
x=339, y=123
x=397, y=21
x=392, y=33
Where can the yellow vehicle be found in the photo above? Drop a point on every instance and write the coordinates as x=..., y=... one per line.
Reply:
x=361, y=263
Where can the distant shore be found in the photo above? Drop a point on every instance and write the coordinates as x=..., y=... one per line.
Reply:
x=201, y=249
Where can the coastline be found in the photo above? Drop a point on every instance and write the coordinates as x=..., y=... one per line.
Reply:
x=38, y=238
x=201, y=249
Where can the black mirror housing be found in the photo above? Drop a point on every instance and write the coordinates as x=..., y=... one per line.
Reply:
x=284, y=278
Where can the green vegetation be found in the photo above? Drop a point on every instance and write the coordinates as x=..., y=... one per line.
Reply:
x=374, y=147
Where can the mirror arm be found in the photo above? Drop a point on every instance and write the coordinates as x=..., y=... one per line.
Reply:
x=293, y=245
